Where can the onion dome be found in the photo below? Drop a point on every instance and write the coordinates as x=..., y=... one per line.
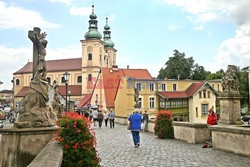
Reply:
x=107, y=37
x=93, y=32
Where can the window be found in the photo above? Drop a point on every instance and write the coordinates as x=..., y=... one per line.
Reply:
x=218, y=86
x=200, y=95
x=163, y=87
x=174, y=87
x=204, y=94
x=62, y=80
x=140, y=102
x=213, y=85
x=138, y=86
x=152, y=102
x=17, y=82
x=196, y=109
x=204, y=108
x=208, y=94
x=151, y=86
x=89, y=77
x=89, y=56
x=100, y=57
x=79, y=79
x=49, y=80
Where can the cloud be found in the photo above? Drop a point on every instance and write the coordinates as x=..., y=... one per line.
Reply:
x=12, y=59
x=234, y=50
x=12, y=16
x=67, y=2
x=81, y=11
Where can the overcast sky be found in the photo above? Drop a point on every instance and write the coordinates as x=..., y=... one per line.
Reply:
x=145, y=32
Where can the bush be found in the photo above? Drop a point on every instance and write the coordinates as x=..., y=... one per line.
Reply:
x=77, y=140
x=163, y=125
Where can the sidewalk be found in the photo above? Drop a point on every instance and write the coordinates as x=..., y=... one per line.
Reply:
x=116, y=150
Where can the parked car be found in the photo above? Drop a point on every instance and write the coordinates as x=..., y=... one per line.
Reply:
x=1, y=124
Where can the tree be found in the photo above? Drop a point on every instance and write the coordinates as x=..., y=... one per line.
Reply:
x=217, y=75
x=177, y=67
x=199, y=73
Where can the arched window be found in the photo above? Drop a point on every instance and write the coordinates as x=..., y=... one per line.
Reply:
x=79, y=79
x=100, y=57
x=62, y=80
x=89, y=77
x=17, y=82
x=89, y=56
x=49, y=80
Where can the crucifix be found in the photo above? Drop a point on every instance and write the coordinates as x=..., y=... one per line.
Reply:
x=33, y=36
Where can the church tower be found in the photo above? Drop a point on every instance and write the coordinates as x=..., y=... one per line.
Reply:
x=110, y=52
x=92, y=55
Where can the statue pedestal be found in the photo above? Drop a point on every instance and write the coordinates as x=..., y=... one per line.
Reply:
x=20, y=146
x=230, y=109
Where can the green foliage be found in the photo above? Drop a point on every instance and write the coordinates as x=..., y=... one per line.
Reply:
x=199, y=73
x=217, y=75
x=77, y=140
x=176, y=66
x=163, y=125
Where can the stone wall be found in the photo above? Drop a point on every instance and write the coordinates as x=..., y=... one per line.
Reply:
x=231, y=138
x=51, y=155
x=20, y=146
x=191, y=132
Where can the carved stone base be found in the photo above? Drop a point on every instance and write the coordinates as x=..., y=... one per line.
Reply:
x=230, y=109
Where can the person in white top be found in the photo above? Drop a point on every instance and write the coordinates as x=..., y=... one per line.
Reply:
x=95, y=117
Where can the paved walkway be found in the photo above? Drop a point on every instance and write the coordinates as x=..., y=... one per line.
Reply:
x=116, y=150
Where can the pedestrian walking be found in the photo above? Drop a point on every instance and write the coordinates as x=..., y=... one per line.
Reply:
x=106, y=118
x=100, y=118
x=145, y=121
x=111, y=116
x=95, y=117
x=135, y=127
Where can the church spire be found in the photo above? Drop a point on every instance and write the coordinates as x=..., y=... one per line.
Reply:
x=107, y=36
x=93, y=32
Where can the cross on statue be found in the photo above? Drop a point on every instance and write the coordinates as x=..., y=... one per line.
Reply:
x=39, y=52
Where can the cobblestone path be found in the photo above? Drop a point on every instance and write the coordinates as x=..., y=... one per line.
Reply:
x=116, y=150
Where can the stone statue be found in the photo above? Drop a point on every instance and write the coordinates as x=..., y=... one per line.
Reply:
x=230, y=82
x=56, y=104
x=34, y=110
x=136, y=98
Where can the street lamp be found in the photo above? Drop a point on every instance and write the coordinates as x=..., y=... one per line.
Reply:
x=66, y=79
x=69, y=92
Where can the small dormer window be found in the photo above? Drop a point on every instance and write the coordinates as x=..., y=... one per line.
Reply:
x=17, y=82
x=89, y=77
x=89, y=56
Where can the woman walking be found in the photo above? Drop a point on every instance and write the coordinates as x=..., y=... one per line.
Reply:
x=135, y=121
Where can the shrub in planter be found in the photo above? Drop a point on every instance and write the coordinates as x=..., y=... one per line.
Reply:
x=163, y=125
x=77, y=140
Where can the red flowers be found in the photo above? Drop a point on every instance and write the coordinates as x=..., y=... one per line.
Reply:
x=77, y=140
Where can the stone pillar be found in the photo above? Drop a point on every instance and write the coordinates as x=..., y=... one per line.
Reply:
x=230, y=109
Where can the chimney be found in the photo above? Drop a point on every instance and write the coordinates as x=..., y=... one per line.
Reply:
x=127, y=66
x=115, y=67
x=178, y=77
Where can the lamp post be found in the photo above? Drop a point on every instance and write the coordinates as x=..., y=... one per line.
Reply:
x=69, y=92
x=96, y=101
x=66, y=79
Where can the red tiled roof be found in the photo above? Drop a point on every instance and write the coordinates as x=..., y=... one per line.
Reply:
x=76, y=90
x=174, y=94
x=137, y=73
x=112, y=78
x=189, y=92
x=55, y=65
x=84, y=101
x=22, y=91
x=193, y=88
